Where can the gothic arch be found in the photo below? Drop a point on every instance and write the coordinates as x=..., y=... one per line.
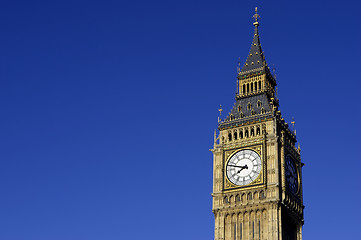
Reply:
x=262, y=195
x=234, y=218
x=249, y=196
x=259, y=103
x=255, y=195
x=243, y=197
x=258, y=132
x=231, y=199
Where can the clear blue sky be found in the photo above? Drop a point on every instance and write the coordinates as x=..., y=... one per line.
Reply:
x=108, y=110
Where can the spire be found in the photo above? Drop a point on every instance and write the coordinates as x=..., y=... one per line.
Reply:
x=255, y=59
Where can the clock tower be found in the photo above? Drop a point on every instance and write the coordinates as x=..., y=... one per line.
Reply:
x=257, y=168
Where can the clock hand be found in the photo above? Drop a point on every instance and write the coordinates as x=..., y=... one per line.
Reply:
x=244, y=167
x=236, y=173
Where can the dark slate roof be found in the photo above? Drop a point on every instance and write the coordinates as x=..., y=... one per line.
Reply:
x=256, y=55
x=235, y=114
x=253, y=100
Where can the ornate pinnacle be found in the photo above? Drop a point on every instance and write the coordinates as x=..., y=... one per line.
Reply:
x=293, y=125
x=256, y=16
x=220, y=113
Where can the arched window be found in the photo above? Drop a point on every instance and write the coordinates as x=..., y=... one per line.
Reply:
x=243, y=197
x=222, y=139
x=255, y=86
x=239, y=108
x=225, y=200
x=246, y=133
x=262, y=110
x=229, y=136
x=252, y=87
x=249, y=196
x=252, y=112
x=258, y=132
x=249, y=105
x=242, y=115
x=259, y=103
x=255, y=195
x=247, y=87
x=235, y=136
x=259, y=85
x=238, y=199
x=241, y=134
x=244, y=88
x=262, y=195
x=252, y=132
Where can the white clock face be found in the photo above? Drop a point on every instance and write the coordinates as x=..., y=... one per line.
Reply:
x=291, y=175
x=244, y=167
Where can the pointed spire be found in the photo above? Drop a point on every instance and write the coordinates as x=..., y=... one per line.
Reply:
x=255, y=59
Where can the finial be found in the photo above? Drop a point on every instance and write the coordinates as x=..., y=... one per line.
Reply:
x=293, y=125
x=274, y=72
x=256, y=16
x=220, y=113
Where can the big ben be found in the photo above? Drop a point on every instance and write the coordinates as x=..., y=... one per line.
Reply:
x=257, y=168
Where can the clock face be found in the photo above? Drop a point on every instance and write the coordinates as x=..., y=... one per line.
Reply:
x=244, y=167
x=291, y=175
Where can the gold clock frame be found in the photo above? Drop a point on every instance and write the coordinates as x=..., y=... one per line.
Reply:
x=259, y=181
